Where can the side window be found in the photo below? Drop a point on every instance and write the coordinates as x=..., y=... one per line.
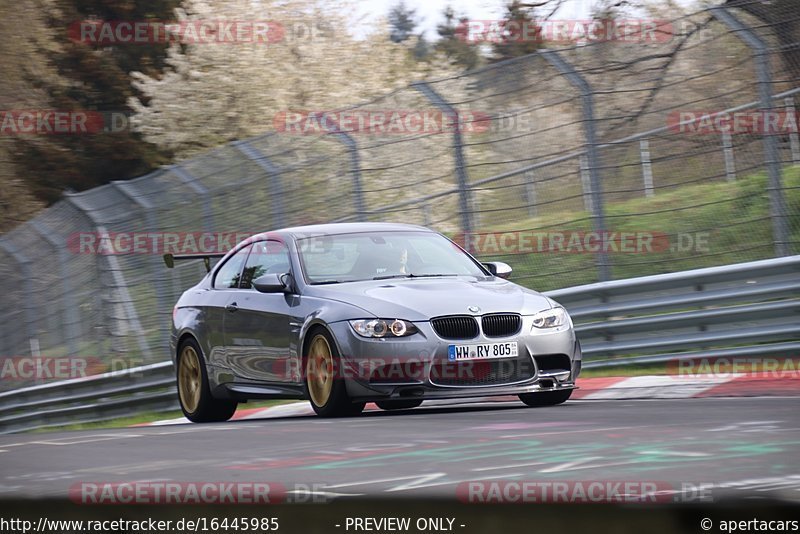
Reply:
x=228, y=274
x=265, y=257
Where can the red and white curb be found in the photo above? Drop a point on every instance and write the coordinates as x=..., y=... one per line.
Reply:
x=602, y=388
x=690, y=386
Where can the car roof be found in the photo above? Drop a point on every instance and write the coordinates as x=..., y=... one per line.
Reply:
x=348, y=228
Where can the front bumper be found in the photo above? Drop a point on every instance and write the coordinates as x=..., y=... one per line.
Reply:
x=411, y=367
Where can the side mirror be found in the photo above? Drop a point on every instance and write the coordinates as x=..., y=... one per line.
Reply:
x=498, y=268
x=270, y=283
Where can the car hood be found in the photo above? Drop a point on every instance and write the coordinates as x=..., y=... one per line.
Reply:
x=421, y=299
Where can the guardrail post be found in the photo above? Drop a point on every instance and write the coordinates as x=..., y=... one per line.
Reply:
x=780, y=231
x=592, y=153
x=70, y=318
x=200, y=190
x=276, y=194
x=27, y=281
x=118, y=278
x=355, y=166
x=647, y=167
x=462, y=179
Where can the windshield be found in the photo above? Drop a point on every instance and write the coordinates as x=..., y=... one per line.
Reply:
x=329, y=259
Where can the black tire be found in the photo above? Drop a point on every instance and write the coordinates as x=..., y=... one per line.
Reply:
x=398, y=404
x=333, y=401
x=546, y=398
x=204, y=408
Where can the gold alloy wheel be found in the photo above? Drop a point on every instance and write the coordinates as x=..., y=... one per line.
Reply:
x=189, y=379
x=319, y=370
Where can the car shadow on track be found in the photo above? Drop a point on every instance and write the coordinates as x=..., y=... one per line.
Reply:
x=421, y=411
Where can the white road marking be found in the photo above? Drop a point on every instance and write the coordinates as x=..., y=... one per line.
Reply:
x=511, y=466
x=559, y=432
x=417, y=481
x=566, y=466
x=747, y=426
x=77, y=440
x=430, y=476
x=687, y=454
x=325, y=494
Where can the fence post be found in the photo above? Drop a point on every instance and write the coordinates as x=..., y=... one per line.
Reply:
x=462, y=179
x=592, y=154
x=780, y=232
x=530, y=192
x=27, y=281
x=586, y=184
x=200, y=190
x=117, y=277
x=70, y=317
x=794, y=137
x=156, y=267
x=276, y=194
x=647, y=167
x=730, y=160
x=355, y=166
x=426, y=214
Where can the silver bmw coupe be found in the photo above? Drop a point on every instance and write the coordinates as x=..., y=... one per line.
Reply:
x=345, y=314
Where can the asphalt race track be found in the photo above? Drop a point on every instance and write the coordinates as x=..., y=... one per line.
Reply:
x=732, y=446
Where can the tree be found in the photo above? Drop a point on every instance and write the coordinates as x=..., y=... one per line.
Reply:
x=212, y=94
x=401, y=21
x=422, y=49
x=519, y=36
x=91, y=77
x=20, y=55
x=453, y=40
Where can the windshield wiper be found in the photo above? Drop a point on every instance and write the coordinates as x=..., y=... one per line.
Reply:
x=412, y=275
x=325, y=282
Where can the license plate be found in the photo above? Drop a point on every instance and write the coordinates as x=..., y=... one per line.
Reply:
x=482, y=351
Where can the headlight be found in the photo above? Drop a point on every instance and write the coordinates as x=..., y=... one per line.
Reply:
x=551, y=318
x=383, y=327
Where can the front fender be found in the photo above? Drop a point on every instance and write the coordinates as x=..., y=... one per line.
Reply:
x=326, y=314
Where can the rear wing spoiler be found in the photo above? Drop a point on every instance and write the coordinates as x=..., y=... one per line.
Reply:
x=170, y=259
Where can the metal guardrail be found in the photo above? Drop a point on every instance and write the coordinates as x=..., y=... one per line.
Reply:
x=149, y=388
x=747, y=309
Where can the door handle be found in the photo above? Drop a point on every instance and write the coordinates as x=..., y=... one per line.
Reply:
x=232, y=307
